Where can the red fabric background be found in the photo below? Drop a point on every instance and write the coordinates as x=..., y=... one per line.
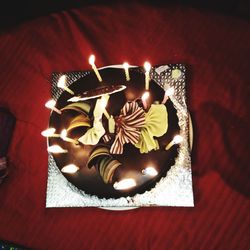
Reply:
x=217, y=51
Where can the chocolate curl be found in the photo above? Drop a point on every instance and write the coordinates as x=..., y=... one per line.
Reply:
x=156, y=125
x=128, y=126
x=94, y=134
x=106, y=138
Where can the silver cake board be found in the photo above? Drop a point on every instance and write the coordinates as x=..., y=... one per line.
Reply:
x=173, y=190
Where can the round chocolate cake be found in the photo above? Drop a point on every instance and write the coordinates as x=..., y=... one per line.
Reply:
x=120, y=137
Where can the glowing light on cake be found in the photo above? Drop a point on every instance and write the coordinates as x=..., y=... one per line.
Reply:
x=126, y=68
x=144, y=99
x=124, y=184
x=50, y=132
x=56, y=149
x=92, y=63
x=150, y=171
x=147, y=67
x=168, y=92
x=63, y=135
x=51, y=105
x=70, y=169
x=61, y=84
x=176, y=140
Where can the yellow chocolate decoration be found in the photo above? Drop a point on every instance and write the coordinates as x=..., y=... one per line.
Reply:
x=156, y=125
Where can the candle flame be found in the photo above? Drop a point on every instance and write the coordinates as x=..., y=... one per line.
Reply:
x=145, y=96
x=169, y=91
x=48, y=132
x=92, y=60
x=70, y=169
x=56, y=149
x=61, y=82
x=177, y=139
x=126, y=65
x=124, y=184
x=63, y=134
x=150, y=171
x=147, y=66
x=50, y=104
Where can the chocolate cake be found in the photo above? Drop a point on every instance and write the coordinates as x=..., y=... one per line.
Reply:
x=115, y=145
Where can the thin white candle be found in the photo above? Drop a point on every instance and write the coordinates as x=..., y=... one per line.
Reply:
x=56, y=149
x=147, y=67
x=63, y=135
x=168, y=92
x=92, y=63
x=51, y=105
x=61, y=84
x=74, y=99
x=144, y=99
x=124, y=184
x=50, y=132
x=70, y=169
x=126, y=68
x=176, y=140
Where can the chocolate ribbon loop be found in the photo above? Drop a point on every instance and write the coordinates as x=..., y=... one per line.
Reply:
x=128, y=126
x=94, y=134
x=156, y=125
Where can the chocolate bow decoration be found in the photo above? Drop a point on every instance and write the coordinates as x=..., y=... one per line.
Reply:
x=94, y=134
x=156, y=125
x=128, y=126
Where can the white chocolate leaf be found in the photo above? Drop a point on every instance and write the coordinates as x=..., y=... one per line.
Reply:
x=157, y=120
x=94, y=134
x=156, y=125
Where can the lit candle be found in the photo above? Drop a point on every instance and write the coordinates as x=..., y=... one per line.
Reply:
x=147, y=67
x=126, y=67
x=61, y=84
x=92, y=63
x=50, y=132
x=176, y=140
x=144, y=98
x=168, y=92
x=150, y=171
x=56, y=149
x=70, y=169
x=51, y=105
x=63, y=135
x=104, y=102
x=124, y=184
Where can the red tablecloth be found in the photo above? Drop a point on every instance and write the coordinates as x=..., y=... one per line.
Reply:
x=216, y=49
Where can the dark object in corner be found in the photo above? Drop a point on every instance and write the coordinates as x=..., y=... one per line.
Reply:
x=7, y=124
x=5, y=245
